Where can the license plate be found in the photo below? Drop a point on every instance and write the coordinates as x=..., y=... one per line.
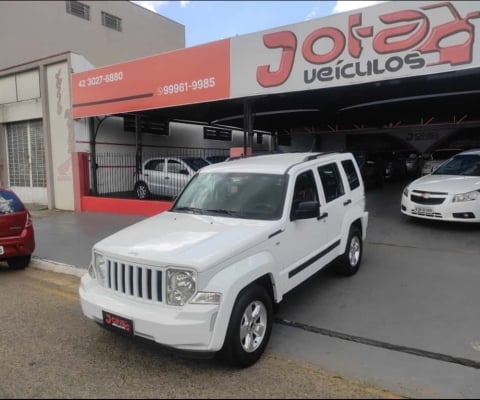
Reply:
x=1, y=250
x=118, y=323
x=423, y=210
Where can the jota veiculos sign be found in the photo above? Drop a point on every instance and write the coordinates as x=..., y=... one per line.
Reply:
x=392, y=40
x=411, y=31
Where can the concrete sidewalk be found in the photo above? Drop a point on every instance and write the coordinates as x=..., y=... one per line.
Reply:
x=67, y=237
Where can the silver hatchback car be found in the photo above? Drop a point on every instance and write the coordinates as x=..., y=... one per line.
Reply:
x=166, y=176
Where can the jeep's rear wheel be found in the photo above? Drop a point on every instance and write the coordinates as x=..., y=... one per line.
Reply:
x=249, y=328
x=349, y=262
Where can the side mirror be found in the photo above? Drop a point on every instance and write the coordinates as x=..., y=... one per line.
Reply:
x=184, y=172
x=306, y=210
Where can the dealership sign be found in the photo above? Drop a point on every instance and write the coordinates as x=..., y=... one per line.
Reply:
x=185, y=76
x=392, y=40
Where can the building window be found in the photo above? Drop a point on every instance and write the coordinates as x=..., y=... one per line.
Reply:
x=111, y=21
x=78, y=9
x=26, y=154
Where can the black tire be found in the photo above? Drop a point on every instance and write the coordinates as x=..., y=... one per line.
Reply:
x=141, y=191
x=349, y=262
x=253, y=298
x=18, y=262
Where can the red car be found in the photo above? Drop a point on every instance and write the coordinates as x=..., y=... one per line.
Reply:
x=17, y=239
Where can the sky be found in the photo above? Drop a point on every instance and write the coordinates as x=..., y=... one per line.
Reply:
x=207, y=21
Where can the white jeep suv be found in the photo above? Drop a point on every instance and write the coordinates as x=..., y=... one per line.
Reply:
x=205, y=275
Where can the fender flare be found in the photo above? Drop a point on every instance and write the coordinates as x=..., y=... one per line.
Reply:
x=231, y=281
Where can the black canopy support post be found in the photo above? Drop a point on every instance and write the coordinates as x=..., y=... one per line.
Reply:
x=275, y=142
x=93, y=150
x=93, y=156
x=247, y=126
x=138, y=143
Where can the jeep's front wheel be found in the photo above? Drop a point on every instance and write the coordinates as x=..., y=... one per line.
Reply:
x=249, y=328
x=349, y=262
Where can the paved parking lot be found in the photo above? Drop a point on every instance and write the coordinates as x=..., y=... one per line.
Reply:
x=409, y=319
x=50, y=350
x=407, y=322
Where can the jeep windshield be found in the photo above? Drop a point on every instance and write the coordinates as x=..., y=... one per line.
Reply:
x=467, y=165
x=234, y=195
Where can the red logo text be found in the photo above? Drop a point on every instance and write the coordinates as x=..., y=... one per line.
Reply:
x=406, y=30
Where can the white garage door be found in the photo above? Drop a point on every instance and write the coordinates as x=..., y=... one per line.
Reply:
x=26, y=161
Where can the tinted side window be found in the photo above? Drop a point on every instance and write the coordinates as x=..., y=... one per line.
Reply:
x=9, y=202
x=351, y=173
x=331, y=181
x=155, y=165
x=174, y=166
x=305, y=189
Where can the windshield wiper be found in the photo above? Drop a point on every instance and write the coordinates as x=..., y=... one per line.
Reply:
x=194, y=210
x=223, y=211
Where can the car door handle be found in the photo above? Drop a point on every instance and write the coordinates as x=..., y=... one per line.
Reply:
x=346, y=203
x=324, y=215
x=166, y=178
x=145, y=174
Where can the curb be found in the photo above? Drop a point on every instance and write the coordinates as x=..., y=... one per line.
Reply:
x=54, y=266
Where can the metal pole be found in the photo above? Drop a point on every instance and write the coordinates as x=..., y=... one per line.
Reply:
x=93, y=161
x=138, y=143
x=93, y=155
x=247, y=125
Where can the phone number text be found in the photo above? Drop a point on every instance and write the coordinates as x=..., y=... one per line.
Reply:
x=101, y=79
x=182, y=87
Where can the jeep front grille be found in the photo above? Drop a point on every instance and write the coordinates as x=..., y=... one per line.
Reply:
x=134, y=280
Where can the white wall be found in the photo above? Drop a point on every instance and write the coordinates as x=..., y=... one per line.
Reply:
x=20, y=96
x=62, y=134
x=19, y=101
x=32, y=30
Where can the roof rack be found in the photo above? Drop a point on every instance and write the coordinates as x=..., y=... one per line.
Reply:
x=310, y=157
x=251, y=155
x=316, y=155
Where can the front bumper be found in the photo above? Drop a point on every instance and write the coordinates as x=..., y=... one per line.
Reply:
x=467, y=211
x=187, y=328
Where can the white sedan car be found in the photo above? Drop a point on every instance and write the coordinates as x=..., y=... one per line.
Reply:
x=450, y=193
